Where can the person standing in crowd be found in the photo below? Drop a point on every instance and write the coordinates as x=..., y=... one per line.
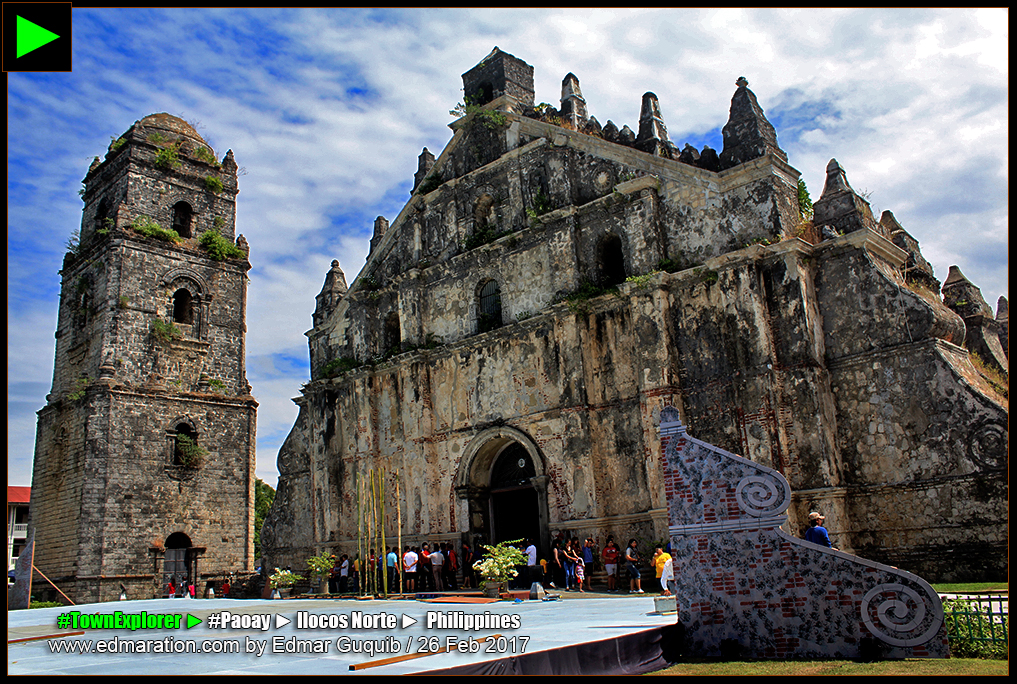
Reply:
x=371, y=573
x=410, y=570
x=424, y=568
x=610, y=558
x=558, y=566
x=437, y=560
x=572, y=553
x=660, y=558
x=344, y=574
x=667, y=583
x=391, y=559
x=467, y=565
x=631, y=558
x=478, y=550
x=588, y=555
x=533, y=571
x=451, y=566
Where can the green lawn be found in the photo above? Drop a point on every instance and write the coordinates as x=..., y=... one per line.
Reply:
x=950, y=667
x=972, y=588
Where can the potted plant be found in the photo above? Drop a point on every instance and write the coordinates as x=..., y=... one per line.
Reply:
x=320, y=568
x=282, y=579
x=499, y=565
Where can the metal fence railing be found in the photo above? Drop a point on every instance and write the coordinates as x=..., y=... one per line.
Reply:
x=977, y=625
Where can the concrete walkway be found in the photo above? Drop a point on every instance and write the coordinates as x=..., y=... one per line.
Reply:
x=577, y=618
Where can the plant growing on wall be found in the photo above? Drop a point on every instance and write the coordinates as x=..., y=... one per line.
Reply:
x=218, y=247
x=642, y=282
x=143, y=225
x=578, y=301
x=108, y=224
x=168, y=157
x=165, y=332
x=207, y=155
x=81, y=387
x=488, y=118
x=483, y=237
x=804, y=201
x=73, y=243
x=339, y=366
x=541, y=206
x=430, y=183
x=213, y=184
x=190, y=452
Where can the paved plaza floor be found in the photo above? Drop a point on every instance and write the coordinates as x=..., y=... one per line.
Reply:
x=537, y=631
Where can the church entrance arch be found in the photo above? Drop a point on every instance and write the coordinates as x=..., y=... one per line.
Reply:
x=176, y=566
x=504, y=482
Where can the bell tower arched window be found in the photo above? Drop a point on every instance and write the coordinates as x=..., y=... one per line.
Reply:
x=182, y=216
x=186, y=450
x=101, y=213
x=183, y=307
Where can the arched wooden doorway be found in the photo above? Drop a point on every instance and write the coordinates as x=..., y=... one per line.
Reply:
x=503, y=480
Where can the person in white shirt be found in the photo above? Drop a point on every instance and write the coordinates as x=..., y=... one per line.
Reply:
x=667, y=578
x=533, y=571
x=437, y=560
x=410, y=569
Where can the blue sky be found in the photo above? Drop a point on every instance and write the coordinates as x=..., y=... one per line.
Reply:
x=327, y=110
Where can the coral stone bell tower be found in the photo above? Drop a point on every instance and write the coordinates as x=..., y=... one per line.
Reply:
x=145, y=450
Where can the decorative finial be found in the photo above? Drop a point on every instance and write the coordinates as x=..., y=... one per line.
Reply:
x=741, y=82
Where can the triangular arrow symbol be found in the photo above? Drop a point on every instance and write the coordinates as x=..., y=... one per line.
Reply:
x=281, y=621
x=31, y=36
x=408, y=621
x=191, y=620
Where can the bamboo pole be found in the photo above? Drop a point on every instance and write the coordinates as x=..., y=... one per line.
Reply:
x=374, y=531
x=360, y=538
x=384, y=567
x=399, y=536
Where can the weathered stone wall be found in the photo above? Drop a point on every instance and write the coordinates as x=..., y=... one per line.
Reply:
x=565, y=380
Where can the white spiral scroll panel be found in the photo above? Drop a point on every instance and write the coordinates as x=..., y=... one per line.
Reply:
x=894, y=613
x=760, y=495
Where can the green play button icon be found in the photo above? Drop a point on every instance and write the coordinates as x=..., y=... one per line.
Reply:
x=37, y=36
x=31, y=36
x=192, y=621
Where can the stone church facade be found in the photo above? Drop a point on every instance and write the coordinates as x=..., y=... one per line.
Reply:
x=144, y=460
x=553, y=283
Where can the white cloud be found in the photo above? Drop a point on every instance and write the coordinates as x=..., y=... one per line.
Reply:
x=328, y=110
